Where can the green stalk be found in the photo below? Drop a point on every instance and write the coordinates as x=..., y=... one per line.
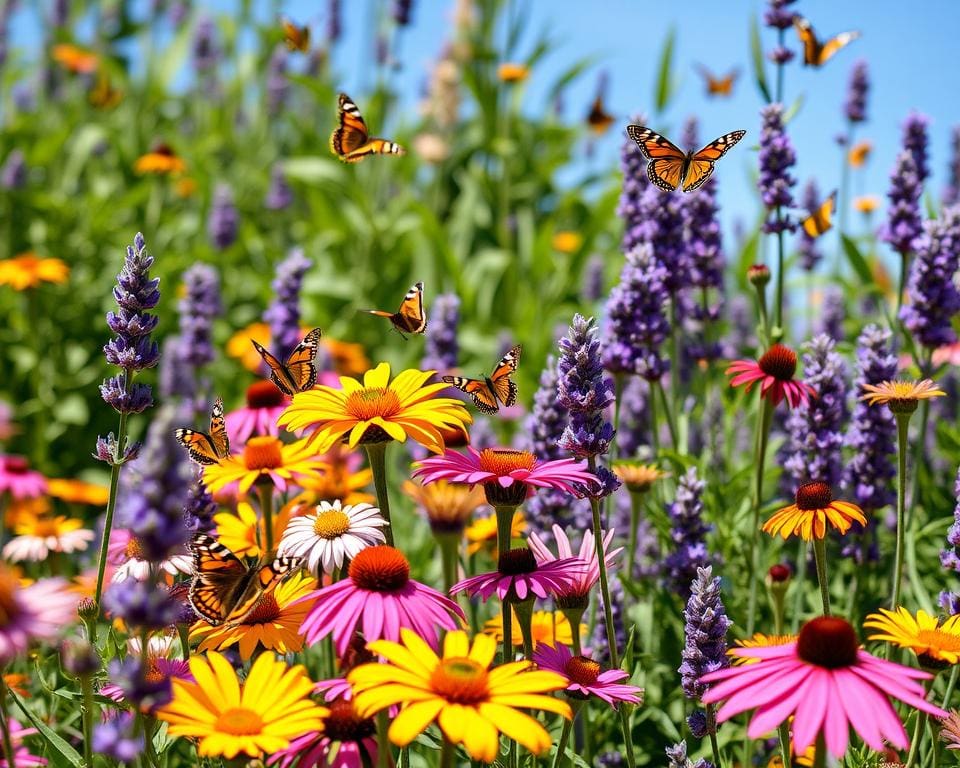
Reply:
x=449, y=545
x=5, y=725
x=574, y=616
x=783, y=736
x=184, y=632
x=446, y=754
x=764, y=421
x=266, y=510
x=504, y=539
x=903, y=424
x=844, y=203
x=654, y=426
x=951, y=683
x=820, y=558
x=383, y=743
x=712, y=730
x=376, y=455
x=671, y=425
x=778, y=307
x=562, y=746
x=820, y=752
x=917, y=735
x=524, y=609
x=636, y=504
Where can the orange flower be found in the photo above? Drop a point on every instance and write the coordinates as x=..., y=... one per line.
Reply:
x=74, y=58
x=78, y=492
x=185, y=187
x=859, y=152
x=240, y=348
x=513, y=72
x=567, y=241
x=28, y=270
x=162, y=160
x=348, y=359
x=866, y=204
x=814, y=508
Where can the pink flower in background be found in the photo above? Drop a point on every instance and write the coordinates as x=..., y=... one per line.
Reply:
x=519, y=575
x=581, y=586
x=37, y=613
x=17, y=479
x=586, y=676
x=775, y=371
x=259, y=417
x=126, y=555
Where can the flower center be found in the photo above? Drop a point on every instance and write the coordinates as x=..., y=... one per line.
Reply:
x=331, y=524
x=813, y=496
x=514, y=562
x=134, y=549
x=264, y=394
x=582, y=670
x=937, y=640
x=828, y=642
x=503, y=461
x=366, y=404
x=239, y=721
x=45, y=528
x=461, y=681
x=265, y=611
x=780, y=362
x=263, y=453
x=153, y=674
x=344, y=724
x=380, y=569
x=16, y=465
x=9, y=606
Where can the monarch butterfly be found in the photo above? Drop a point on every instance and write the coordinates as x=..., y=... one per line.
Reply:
x=410, y=317
x=296, y=38
x=351, y=141
x=669, y=167
x=224, y=588
x=207, y=448
x=299, y=373
x=815, y=53
x=598, y=119
x=820, y=220
x=498, y=386
x=103, y=95
x=718, y=86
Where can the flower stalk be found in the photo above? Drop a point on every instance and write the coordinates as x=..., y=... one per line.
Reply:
x=764, y=422
x=903, y=425
x=376, y=455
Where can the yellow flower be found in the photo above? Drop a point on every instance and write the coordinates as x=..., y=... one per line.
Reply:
x=638, y=477
x=931, y=638
x=185, y=187
x=866, y=203
x=808, y=516
x=859, y=152
x=242, y=532
x=566, y=241
x=471, y=703
x=549, y=628
x=342, y=481
x=28, y=270
x=348, y=359
x=240, y=348
x=263, y=715
x=482, y=534
x=37, y=537
x=376, y=411
x=78, y=492
x=901, y=396
x=161, y=159
x=448, y=506
x=74, y=58
x=264, y=459
x=25, y=511
x=758, y=640
x=273, y=624
x=512, y=72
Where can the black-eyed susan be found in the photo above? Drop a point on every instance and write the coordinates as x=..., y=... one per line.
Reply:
x=160, y=160
x=936, y=641
x=814, y=508
x=482, y=533
x=472, y=703
x=637, y=476
x=757, y=640
x=546, y=627
x=29, y=270
x=263, y=715
x=901, y=396
x=447, y=506
x=264, y=459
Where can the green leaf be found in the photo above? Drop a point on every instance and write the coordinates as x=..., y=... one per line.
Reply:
x=756, y=60
x=794, y=109
x=313, y=170
x=59, y=745
x=859, y=264
x=665, y=79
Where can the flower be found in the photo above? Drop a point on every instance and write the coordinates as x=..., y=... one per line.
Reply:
x=272, y=624
x=915, y=141
x=185, y=186
x=776, y=159
x=39, y=612
x=29, y=270
x=578, y=592
x=519, y=576
x=78, y=491
x=22, y=758
x=935, y=641
x=903, y=226
x=951, y=192
x=224, y=219
x=637, y=476
x=900, y=393
x=343, y=479
x=161, y=160
x=142, y=605
x=855, y=107
x=125, y=553
x=279, y=195
x=866, y=204
x=482, y=533
x=858, y=154
x=13, y=173
x=239, y=347
x=115, y=738
x=347, y=741
x=951, y=729
x=259, y=417
x=441, y=351
x=471, y=703
x=775, y=371
x=566, y=241
x=264, y=459
x=826, y=683
x=688, y=536
x=241, y=532
x=206, y=52
x=547, y=628
x=75, y=59
x=332, y=534
x=586, y=677
x=347, y=359
x=36, y=538
x=147, y=681
x=757, y=640
x=198, y=307
x=377, y=411
x=950, y=556
x=17, y=479
x=283, y=314
x=262, y=715
x=512, y=72
x=379, y=599
x=630, y=207
x=447, y=506
x=705, y=633
x=812, y=509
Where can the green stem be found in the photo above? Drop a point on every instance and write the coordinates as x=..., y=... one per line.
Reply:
x=951, y=683
x=671, y=425
x=562, y=745
x=449, y=544
x=820, y=752
x=524, y=609
x=798, y=589
x=636, y=505
x=574, y=616
x=903, y=424
x=712, y=730
x=654, y=425
x=783, y=735
x=764, y=421
x=919, y=465
x=917, y=737
x=5, y=725
x=184, y=631
x=266, y=511
x=761, y=291
x=820, y=558
x=446, y=754
x=504, y=539
x=383, y=742
x=376, y=455
x=843, y=203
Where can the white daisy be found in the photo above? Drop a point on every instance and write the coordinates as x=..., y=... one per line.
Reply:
x=332, y=533
x=41, y=536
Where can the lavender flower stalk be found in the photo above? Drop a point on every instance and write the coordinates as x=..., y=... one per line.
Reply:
x=13, y=175
x=778, y=16
x=592, y=281
x=223, y=221
x=334, y=25
x=677, y=756
x=855, y=106
x=206, y=51
x=916, y=141
x=833, y=312
x=950, y=556
x=951, y=193
x=633, y=428
x=688, y=535
x=279, y=195
x=904, y=224
x=283, y=314
x=441, y=351
x=401, y=10
x=198, y=308
x=635, y=182
x=277, y=84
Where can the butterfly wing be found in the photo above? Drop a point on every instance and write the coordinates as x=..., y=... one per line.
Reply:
x=667, y=161
x=411, y=317
x=834, y=44
x=821, y=220
x=218, y=430
x=598, y=118
x=301, y=366
x=503, y=386
x=278, y=372
x=808, y=39
x=296, y=38
x=351, y=133
x=701, y=163
x=199, y=445
x=218, y=574
x=374, y=147
x=481, y=390
x=724, y=85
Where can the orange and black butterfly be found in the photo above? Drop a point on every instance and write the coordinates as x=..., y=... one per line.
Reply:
x=815, y=53
x=299, y=373
x=718, y=86
x=224, y=588
x=598, y=119
x=820, y=220
x=410, y=318
x=103, y=95
x=669, y=166
x=296, y=38
x=207, y=447
x=498, y=386
x=351, y=141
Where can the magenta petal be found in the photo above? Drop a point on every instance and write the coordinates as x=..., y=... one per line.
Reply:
x=808, y=719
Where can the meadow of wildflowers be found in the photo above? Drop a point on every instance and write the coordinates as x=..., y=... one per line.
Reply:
x=705, y=510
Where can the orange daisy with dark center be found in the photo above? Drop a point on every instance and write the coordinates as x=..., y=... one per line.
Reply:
x=829, y=642
x=461, y=681
x=814, y=511
x=814, y=495
x=264, y=394
x=515, y=562
x=582, y=670
x=371, y=403
x=780, y=362
x=380, y=569
x=266, y=611
x=344, y=724
x=263, y=453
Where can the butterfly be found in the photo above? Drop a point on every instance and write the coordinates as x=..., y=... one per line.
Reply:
x=598, y=119
x=296, y=38
x=103, y=95
x=719, y=86
x=410, y=317
x=299, y=373
x=815, y=53
x=498, y=386
x=821, y=220
x=669, y=167
x=207, y=448
x=224, y=588
x=351, y=141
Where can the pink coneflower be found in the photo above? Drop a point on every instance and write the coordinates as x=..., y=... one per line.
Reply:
x=38, y=612
x=125, y=553
x=17, y=479
x=259, y=418
x=378, y=598
x=21, y=754
x=775, y=371
x=37, y=537
x=341, y=744
x=519, y=576
x=826, y=683
x=579, y=590
x=160, y=670
x=508, y=476
x=586, y=676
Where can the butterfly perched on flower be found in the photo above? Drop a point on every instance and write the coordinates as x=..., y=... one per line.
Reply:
x=598, y=119
x=296, y=38
x=816, y=53
x=299, y=372
x=718, y=86
x=820, y=220
x=669, y=166
x=224, y=588
x=207, y=447
x=410, y=318
x=498, y=386
x=351, y=141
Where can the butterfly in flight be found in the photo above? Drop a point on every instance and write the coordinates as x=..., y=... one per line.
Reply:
x=299, y=373
x=103, y=95
x=351, y=141
x=816, y=53
x=598, y=119
x=224, y=588
x=718, y=86
x=820, y=220
x=207, y=447
x=296, y=38
x=410, y=318
x=498, y=386
x=669, y=166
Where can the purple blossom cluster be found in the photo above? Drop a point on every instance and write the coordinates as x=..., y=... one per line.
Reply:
x=441, y=350
x=283, y=314
x=810, y=254
x=779, y=16
x=277, y=84
x=279, y=196
x=206, y=50
x=116, y=738
x=833, y=312
x=688, y=536
x=223, y=221
x=855, y=106
x=950, y=556
x=916, y=142
x=401, y=11
x=199, y=508
x=776, y=159
x=635, y=182
x=198, y=308
x=662, y=226
x=13, y=174
x=951, y=192
x=593, y=279
x=903, y=225
x=334, y=21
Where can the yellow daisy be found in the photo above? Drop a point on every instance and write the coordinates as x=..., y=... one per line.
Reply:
x=866, y=204
x=376, y=411
x=28, y=270
x=637, y=476
x=161, y=159
x=242, y=532
x=901, y=396
x=447, y=506
x=549, y=628
x=758, y=640
x=78, y=492
x=813, y=508
x=264, y=460
x=471, y=703
x=931, y=638
x=482, y=533
x=239, y=346
x=343, y=481
x=263, y=715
